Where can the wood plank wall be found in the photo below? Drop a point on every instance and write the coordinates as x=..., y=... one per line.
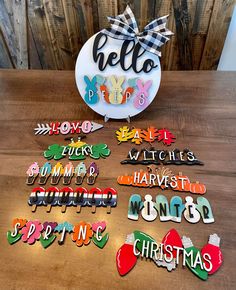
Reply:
x=48, y=34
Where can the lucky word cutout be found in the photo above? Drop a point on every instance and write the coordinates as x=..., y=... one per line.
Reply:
x=118, y=69
x=77, y=151
x=81, y=233
x=57, y=172
x=155, y=156
x=202, y=262
x=69, y=197
x=172, y=211
x=137, y=135
x=67, y=127
x=161, y=177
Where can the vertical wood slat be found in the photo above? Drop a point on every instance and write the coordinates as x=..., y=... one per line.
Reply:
x=58, y=33
x=217, y=31
x=5, y=59
x=106, y=8
x=38, y=25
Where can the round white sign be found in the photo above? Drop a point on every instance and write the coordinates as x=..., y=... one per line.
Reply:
x=117, y=79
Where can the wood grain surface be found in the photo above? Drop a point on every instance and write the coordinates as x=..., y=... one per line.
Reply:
x=198, y=107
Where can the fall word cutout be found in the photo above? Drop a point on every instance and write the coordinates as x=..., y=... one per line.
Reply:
x=112, y=90
x=58, y=171
x=202, y=262
x=67, y=127
x=77, y=151
x=150, y=135
x=162, y=177
x=81, y=233
x=150, y=209
x=80, y=197
x=154, y=156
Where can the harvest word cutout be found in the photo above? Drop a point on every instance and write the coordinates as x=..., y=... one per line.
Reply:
x=150, y=210
x=166, y=254
x=81, y=233
x=110, y=90
x=80, y=197
x=77, y=151
x=58, y=171
x=162, y=177
x=150, y=135
x=154, y=156
x=67, y=127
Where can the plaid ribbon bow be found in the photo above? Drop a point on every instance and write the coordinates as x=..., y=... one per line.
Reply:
x=124, y=27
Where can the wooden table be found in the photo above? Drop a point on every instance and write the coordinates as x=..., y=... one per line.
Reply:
x=198, y=107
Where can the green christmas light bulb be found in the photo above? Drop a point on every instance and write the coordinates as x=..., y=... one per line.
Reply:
x=143, y=238
x=196, y=256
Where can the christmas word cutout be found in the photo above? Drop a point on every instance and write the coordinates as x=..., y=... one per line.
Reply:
x=150, y=135
x=80, y=197
x=58, y=171
x=67, y=127
x=150, y=209
x=163, y=178
x=154, y=156
x=77, y=151
x=111, y=91
x=118, y=69
x=82, y=233
x=201, y=262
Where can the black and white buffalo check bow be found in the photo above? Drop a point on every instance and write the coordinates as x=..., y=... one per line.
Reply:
x=124, y=27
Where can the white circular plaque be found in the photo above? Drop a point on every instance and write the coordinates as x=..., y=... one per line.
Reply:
x=86, y=66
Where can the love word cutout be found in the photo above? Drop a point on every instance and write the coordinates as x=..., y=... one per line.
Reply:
x=67, y=127
x=150, y=210
x=166, y=254
x=80, y=197
x=77, y=151
x=58, y=171
x=150, y=135
x=110, y=90
x=154, y=156
x=81, y=234
x=163, y=178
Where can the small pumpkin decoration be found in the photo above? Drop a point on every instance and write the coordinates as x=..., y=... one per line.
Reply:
x=197, y=188
x=125, y=179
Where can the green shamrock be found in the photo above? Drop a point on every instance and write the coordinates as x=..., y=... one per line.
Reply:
x=54, y=151
x=100, y=150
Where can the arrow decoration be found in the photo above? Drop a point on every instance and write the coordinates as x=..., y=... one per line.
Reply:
x=67, y=127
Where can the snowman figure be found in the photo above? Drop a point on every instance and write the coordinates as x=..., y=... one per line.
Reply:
x=191, y=213
x=149, y=212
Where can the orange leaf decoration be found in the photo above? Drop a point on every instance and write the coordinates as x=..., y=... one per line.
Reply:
x=82, y=233
x=150, y=135
x=21, y=222
x=137, y=136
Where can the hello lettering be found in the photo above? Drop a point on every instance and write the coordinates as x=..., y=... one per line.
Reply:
x=128, y=47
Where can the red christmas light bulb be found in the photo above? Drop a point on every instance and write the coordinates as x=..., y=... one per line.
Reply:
x=125, y=258
x=213, y=249
x=172, y=238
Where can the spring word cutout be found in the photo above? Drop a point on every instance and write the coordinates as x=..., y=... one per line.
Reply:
x=150, y=209
x=77, y=151
x=161, y=177
x=137, y=136
x=67, y=127
x=80, y=197
x=116, y=91
x=154, y=156
x=167, y=253
x=67, y=172
x=81, y=233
